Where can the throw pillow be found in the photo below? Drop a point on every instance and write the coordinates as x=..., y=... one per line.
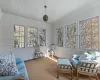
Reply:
x=97, y=59
x=76, y=57
x=91, y=52
x=83, y=56
x=89, y=57
x=97, y=53
x=8, y=65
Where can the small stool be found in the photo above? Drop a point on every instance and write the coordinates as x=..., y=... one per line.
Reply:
x=64, y=66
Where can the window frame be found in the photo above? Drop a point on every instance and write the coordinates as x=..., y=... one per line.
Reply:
x=19, y=36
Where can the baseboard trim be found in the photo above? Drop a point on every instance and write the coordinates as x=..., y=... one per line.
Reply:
x=32, y=59
x=29, y=60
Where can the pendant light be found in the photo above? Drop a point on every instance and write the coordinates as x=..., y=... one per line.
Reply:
x=45, y=17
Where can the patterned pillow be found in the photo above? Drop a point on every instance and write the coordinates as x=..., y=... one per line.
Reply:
x=8, y=65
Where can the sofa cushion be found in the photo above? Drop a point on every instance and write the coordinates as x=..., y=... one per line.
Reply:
x=20, y=66
x=8, y=65
x=7, y=77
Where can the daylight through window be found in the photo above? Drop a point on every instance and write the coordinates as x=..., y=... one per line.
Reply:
x=89, y=33
x=32, y=36
x=19, y=36
x=70, y=35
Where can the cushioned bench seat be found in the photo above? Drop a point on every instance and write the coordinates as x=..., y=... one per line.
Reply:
x=64, y=66
x=22, y=71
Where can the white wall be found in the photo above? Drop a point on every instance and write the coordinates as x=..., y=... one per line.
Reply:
x=74, y=17
x=0, y=29
x=7, y=32
x=0, y=14
x=8, y=22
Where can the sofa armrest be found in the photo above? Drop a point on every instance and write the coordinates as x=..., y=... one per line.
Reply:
x=74, y=62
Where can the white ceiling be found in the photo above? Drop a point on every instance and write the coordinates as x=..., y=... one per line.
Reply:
x=34, y=9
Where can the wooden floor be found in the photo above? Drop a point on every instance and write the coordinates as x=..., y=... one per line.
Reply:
x=45, y=69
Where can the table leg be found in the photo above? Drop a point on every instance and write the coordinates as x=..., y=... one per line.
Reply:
x=57, y=74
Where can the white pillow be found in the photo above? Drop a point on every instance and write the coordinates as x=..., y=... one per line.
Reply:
x=8, y=65
x=97, y=54
x=83, y=56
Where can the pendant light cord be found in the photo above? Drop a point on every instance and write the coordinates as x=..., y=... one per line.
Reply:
x=45, y=9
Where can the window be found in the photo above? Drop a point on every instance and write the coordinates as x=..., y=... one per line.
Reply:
x=60, y=37
x=32, y=36
x=42, y=37
x=70, y=34
x=89, y=33
x=19, y=36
